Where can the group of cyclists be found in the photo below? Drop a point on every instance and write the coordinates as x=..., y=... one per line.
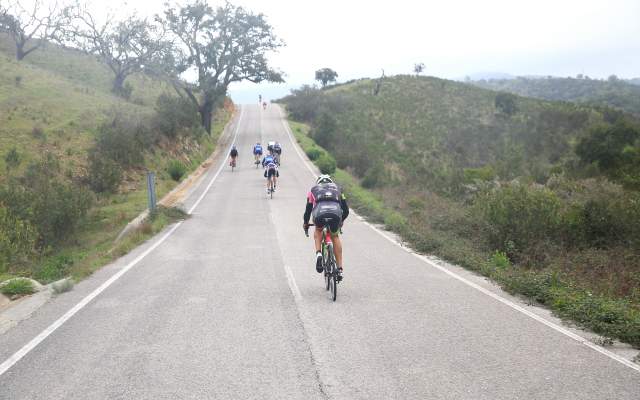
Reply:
x=325, y=201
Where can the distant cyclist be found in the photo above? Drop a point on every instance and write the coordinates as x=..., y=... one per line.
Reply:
x=328, y=205
x=270, y=172
x=259, y=99
x=270, y=145
x=257, y=152
x=264, y=105
x=277, y=152
x=233, y=154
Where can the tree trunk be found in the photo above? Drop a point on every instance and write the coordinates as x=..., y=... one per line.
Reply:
x=206, y=115
x=118, y=86
x=20, y=54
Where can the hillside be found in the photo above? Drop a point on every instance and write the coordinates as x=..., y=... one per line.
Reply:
x=525, y=191
x=429, y=130
x=73, y=158
x=620, y=94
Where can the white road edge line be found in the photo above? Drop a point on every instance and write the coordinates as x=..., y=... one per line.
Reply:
x=494, y=296
x=18, y=355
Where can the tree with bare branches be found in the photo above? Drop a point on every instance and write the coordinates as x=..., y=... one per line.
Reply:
x=223, y=45
x=126, y=46
x=32, y=27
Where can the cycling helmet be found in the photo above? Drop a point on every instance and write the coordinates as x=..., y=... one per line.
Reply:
x=324, y=179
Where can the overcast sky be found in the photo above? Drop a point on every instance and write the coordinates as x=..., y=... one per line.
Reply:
x=454, y=38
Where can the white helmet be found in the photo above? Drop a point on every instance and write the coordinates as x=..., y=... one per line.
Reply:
x=324, y=179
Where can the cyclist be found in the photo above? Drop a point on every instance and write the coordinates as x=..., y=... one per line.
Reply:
x=326, y=202
x=270, y=146
x=270, y=171
x=233, y=155
x=257, y=152
x=264, y=105
x=277, y=152
x=259, y=99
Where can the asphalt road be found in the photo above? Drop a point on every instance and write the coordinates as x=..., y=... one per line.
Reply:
x=229, y=306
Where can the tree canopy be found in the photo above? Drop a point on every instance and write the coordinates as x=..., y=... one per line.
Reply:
x=126, y=46
x=223, y=45
x=31, y=27
x=326, y=75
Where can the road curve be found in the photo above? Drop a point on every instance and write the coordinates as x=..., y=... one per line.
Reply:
x=229, y=306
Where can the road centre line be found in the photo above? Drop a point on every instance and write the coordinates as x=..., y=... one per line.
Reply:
x=494, y=296
x=18, y=355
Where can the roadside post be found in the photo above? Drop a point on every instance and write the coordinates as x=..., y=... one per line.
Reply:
x=151, y=191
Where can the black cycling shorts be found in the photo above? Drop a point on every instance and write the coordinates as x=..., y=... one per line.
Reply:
x=271, y=172
x=328, y=213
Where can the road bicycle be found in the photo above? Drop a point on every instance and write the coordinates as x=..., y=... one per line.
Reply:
x=331, y=275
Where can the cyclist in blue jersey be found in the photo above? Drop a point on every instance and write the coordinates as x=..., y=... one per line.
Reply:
x=257, y=152
x=270, y=171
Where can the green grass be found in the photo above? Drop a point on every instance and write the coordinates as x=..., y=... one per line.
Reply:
x=17, y=287
x=437, y=226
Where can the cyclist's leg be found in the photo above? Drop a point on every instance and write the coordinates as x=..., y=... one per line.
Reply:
x=337, y=248
x=317, y=238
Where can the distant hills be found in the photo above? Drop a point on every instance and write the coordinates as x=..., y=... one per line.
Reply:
x=613, y=92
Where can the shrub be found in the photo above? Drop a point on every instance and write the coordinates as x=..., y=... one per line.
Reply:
x=175, y=115
x=486, y=173
x=17, y=239
x=176, y=170
x=46, y=200
x=18, y=80
x=17, y=287
x=12, y=158
x=527, y=216
x=326, y=164
x=104, y=174
x=500, y=260
x=314, y=153
x=37, y=132
x=375, y=176
x=122, y=140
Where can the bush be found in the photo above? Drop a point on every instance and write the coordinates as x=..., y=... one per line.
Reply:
x=375, y=176
x=17, y=287
x=122, y=140
x=46, y=201
x=175, y=115
x=526, y=216
x=486, y=173
x=314, y=153
x=17, y=239
x=12, y=159
x=326, y=164
x=37, y=132
x=176, y=170
x=104, y=174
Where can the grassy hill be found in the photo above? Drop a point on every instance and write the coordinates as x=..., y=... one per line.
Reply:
x=620, y=94
x=493, y=182
x=56, y=109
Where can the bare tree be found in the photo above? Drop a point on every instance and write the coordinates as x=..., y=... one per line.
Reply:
x=126, y=46
x=418, y=68
x=223, y=45
x=32, y=27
